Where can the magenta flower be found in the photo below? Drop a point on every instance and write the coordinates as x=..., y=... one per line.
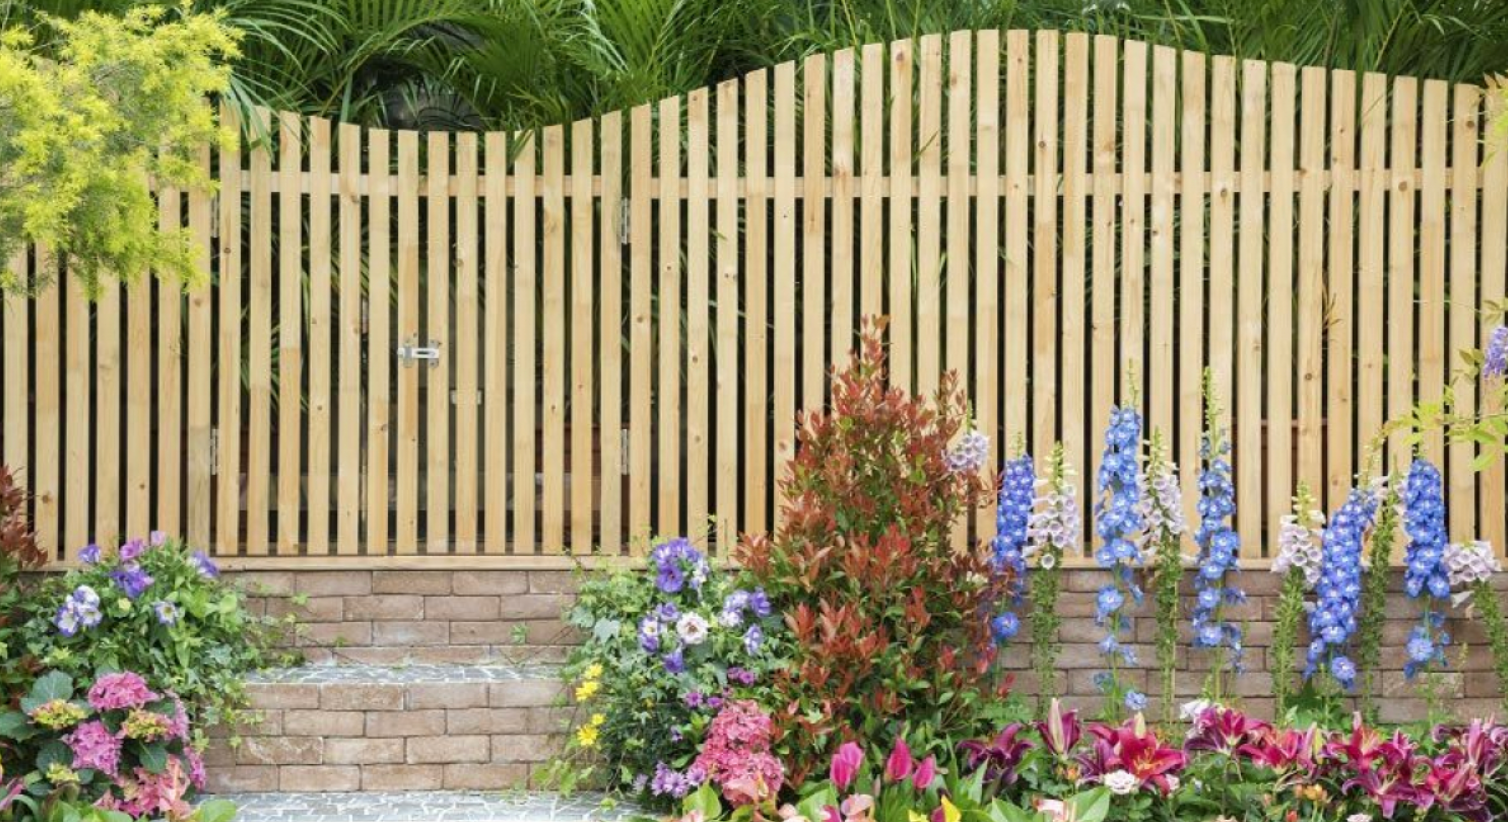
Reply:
x=1000, y=757
x=900, y=764
x=845, y=765
x=1060, y=731
x=925, y=773
x=123, y=690
x=131, y=550
x=94, y=747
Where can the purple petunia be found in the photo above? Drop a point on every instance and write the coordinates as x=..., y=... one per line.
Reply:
x=132, y=550
x=677, y=564
x=131, y=580
x=204, y=565
x=90, y=554
x=80, y=610
x=167, y=612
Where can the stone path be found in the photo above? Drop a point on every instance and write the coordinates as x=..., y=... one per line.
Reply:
x=402, y=675
x=429, y=806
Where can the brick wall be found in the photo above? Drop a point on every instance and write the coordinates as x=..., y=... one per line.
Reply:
x=390, y=617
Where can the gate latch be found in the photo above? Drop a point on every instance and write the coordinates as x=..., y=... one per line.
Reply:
x=411, y=351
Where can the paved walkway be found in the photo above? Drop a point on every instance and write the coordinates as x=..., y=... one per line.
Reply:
x=429, y=806
x=401, y=675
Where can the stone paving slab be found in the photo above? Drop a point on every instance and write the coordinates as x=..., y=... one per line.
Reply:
x=429, y=806
x=402, y=675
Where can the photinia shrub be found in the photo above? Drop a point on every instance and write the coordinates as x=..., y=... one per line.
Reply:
x=18, y=553
x=890, y=625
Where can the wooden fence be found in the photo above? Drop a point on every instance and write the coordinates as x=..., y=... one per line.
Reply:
x=561, y=341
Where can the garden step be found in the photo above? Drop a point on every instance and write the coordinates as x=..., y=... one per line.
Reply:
x=415, y=728
x=427, y=806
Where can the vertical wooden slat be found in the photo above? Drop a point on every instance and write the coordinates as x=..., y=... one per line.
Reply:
x=1494, y=271
x=900, y=268
x=15, y=362
x=77, y=457
x=756, y=300
x=1045, y=288
x=168, y=476
x=843, y=174
x=437, y=333
x=1311, y=278
x=956, y=309
x=1432, y=306
x=1161, y=320
x=45, y=477
x=929, y=218
x=495, y=384
x=107, y=412
x=641, y=423
x=1339, y=293
x=697, y=314
x=669, y=396
x=610, y=519
x=1221, y=295
x=1103, y=369
x=320, y=286
x=228, y=417
x=1191, y=269
x=582, y=308
x=1071, y=398
x=200, y=355
x=1016, y=265
x=783, y=375
x=407, y=487
x=726, y=376
x=1463, y=296
x=1133, y=283
x=348, y=520
x=553, y=360
x=138, y=408
x=814, y=231
x=290, y=328
x=1280, y=293
x=379, y=340
x=987, y=258
x=525, y=375
x=871, y=192
x=1247, y=451
x=468, y=341
x=1402, y=207
x=1371, y=283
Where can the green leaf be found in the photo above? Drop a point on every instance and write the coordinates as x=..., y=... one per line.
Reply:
x=15, y=725
x=154, y=758
x=53, y=753
x=1092, y=805
x=704, y=800
x=51, y=685
x=216, y=810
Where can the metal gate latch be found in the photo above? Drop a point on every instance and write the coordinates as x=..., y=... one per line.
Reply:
x=411, y=351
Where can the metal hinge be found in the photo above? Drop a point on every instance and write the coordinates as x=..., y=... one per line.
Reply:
x=411, y=351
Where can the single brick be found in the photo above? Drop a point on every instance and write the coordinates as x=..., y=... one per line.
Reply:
x=280, y=750
x=319, y=778
x=423, y=750
x=411, y=582
x=534, y=606
x=484, y=583
x=452, y=655
x=525, y=747
x=388, y=656
x=525, y=693
x=242, y=779
x=265, y=583
x=219, y=754
x=361, y=697
x=464, y=609
x=335, y=634
x=491, y=777
x=481, y=633
x=334, y=583
x=408, y=633
x=315, y=609
x=406, y=723
x=447, y=695
x=385, y=606
x=282, y=695
x=326, y=723
x=402, y=777
x=548, y=720
x=363, y=751
x=553, y=582
x=488, y=721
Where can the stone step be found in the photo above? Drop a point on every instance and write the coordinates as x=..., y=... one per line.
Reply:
x=428, y=806
x=415, y=728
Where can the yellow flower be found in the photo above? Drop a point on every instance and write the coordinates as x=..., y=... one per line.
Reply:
x=950, y=811
x=586, y=736
x=587, y=690
x=598, y=719
x=594, y=671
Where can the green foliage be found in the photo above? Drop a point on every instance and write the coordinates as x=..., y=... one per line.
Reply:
x=202, y=657
x=1167, y=575
x=1374, y=598
x=18, y=553
x=1285, y=636
x=86, y=119
x=1489, y=608
x=1043, y=586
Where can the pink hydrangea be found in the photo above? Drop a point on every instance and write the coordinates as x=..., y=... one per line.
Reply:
x=736, y=754
x=148, y=795
x=94, y=747
x=113, y=692
x=178, y=723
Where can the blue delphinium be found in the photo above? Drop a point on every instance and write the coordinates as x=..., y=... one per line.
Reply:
x=1017, y=494
x=1118, y=519
x=1425, y=575
x=1219, y=544
x=1338, y=592
x=1495, y=360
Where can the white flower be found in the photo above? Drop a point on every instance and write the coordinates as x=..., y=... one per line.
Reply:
x=730, y=619
x=1047, y=562
x=692, y=628
x=1467, y=563
x=1121, y=782
x=1192, y=710
x=1359, y=817
x=1173, y=783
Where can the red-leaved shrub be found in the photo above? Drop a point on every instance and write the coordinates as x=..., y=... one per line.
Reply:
x=888, y=621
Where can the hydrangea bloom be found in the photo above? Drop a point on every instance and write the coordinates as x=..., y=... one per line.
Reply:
x=1425, y=574
x=1468, y=563
x=57, y=714
x=678, y=563
x=1333, y=620
x=1219, y=544
x=1299, y=537
x=736, y=756
x=1012, y=518
x=117, y=691
x=1495, y=362
x=969, y=454
x=1117, y=521
x=94, y=747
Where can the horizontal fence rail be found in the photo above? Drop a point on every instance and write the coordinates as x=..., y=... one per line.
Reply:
x=567, y=340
